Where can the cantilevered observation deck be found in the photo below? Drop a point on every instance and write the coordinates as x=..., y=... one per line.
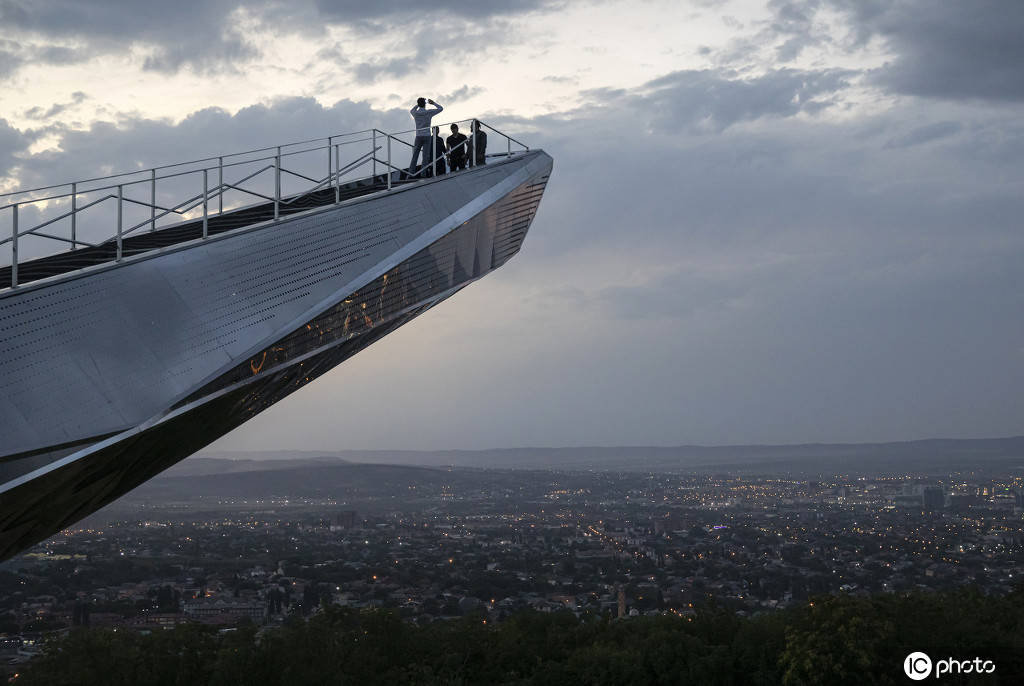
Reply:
x=179, y=312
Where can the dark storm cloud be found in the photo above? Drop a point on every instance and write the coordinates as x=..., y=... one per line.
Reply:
x=14, y=55
x=56, y=55
x=206, y=54
x=194, y=33
x=355, y=11
x=12, y=142
x=718, y=99
x=137, y=142
x=794, y=20
x=393, y=67
x=39, y=113
x=9, y=62
x=925, y=134
x=429, y=42
x=953, y=49
x=794, y=25
x=201, y=34
x=464, y=92
x=333, y=54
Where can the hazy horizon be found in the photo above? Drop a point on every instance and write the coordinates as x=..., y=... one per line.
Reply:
x=205, y=452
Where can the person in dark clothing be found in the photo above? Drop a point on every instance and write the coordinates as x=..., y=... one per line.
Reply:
x=439, y=167
x=479, y=144
x=458, y=149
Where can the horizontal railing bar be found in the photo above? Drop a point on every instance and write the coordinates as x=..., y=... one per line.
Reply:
x=329, y=178
x=319, y=184
x=77, y=241
x=67, y=214
x=160, y=178
x=22, y=234
x=258, y=171
x=146, y=204
x=150, y=179
x=447, y=123
x=433, y=162
x=218, y=192
x=232, y=160
x=401, y=141
x=388, y=164
x=358, y=161
x=82, y=208
x=303, y=176
x=175, y=210
x=180, y=209
x=505, y=135
x=179, y=164
x=196, y=201
x=246, y=190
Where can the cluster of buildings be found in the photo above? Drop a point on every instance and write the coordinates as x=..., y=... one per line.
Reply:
x=619, y=544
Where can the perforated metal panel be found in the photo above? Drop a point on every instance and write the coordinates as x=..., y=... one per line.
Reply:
x=37, y=501
x=106, y=349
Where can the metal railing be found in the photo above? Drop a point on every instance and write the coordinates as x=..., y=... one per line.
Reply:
x=65, y=201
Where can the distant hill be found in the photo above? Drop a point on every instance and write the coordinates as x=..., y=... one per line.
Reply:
x=940, y=455
x=201, y=465
x=294, y=478
x=411, y=475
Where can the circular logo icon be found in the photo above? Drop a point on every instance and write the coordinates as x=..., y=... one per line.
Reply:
x=917, y=666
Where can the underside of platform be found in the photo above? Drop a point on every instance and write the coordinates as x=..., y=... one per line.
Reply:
x=118, y=371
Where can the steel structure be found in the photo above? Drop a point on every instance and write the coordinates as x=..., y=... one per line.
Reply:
x=127, y=353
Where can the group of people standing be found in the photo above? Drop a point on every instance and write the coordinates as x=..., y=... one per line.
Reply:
x=453, y=153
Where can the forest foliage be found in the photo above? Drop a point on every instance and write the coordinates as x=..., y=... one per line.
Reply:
x=833, y=640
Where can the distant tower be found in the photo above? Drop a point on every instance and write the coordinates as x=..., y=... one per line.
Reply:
x=347, y=519
x=933, y=497
x=622, y=602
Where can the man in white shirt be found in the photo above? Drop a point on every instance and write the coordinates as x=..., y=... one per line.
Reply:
x=422, y=116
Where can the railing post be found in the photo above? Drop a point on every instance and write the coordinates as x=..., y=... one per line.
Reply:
x=120, y=216
x=389, y=162
x=330, y=167
x=206, y=210
x=509, y=141
x=472, y=146
x=433, y=152
x=277, y=184
x=74, y=214
x=152, y=199
x=373, y=149
x=220, y=185
x=337, y=180
x=14, y=247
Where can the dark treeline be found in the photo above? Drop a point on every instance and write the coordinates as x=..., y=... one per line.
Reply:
x=835, y=640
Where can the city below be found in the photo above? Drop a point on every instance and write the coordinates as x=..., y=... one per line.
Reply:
x=234, y=543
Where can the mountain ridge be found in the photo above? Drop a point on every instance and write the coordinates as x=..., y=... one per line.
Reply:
x=938, y=452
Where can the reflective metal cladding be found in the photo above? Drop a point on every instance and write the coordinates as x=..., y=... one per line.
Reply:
x=112, y=374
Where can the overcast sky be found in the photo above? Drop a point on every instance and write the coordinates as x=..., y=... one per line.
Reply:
x=768, y=221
